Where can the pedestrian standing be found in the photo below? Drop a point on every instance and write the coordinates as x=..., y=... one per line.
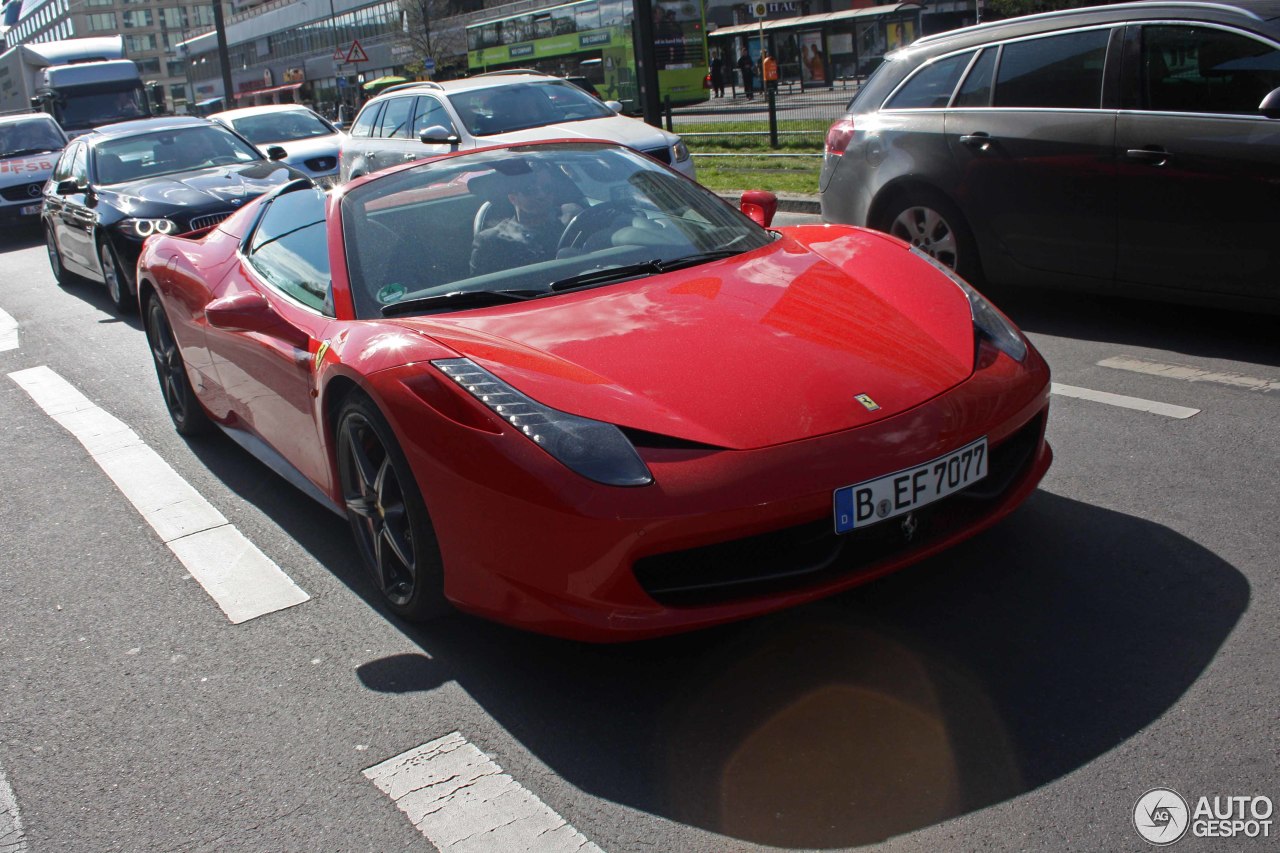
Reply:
x=748, y=71
x=717, y=74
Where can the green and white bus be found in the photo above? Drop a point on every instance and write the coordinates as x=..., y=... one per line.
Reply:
x=595, y=39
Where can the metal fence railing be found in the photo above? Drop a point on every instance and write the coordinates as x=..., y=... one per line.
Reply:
x=793, y=116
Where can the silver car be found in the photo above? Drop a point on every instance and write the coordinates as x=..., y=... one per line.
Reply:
x=310, y=142
x=414, y=121
x=1130, y=148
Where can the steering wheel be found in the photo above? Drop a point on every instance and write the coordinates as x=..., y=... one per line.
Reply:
x=587, y=223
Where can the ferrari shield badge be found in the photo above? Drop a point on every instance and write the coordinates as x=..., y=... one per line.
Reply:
x=319, y=359
x=867, y=403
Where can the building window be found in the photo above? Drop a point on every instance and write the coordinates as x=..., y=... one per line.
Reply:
x=136, y=17
x=102, y=22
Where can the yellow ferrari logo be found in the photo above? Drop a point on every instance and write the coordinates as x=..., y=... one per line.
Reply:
x=324, y=348
x=869, y=404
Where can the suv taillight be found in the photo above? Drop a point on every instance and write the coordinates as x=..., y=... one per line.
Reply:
x=838, y=137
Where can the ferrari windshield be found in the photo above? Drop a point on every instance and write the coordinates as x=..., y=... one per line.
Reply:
x=528, y=222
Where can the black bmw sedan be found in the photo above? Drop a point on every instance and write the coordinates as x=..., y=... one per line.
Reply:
x=116, y=186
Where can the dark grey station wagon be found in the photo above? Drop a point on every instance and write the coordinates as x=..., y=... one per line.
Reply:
x=1131, y=148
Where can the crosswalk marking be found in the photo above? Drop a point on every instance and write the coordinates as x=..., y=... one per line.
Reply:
x=12, y=839
x=1190, y=374
x=462, y=802
x=1136, y=403
x=242, y=580
x=8, y=332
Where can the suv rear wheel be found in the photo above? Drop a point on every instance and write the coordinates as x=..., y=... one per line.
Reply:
x=933, y=225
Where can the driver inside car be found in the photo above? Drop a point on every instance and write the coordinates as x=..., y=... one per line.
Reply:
x=532, y=233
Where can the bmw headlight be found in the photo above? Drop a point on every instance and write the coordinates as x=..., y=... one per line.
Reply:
x=144, y=228
x=986, y=319
x=594, y=449
x=679, y=152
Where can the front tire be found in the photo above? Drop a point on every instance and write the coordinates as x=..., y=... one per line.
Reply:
x=188, y=416
x=114, y=277
x=392, y=529
x=60, y=274
x=933, y=225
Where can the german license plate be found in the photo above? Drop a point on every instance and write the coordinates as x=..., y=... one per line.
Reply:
x=30, y=210
x=866, y=503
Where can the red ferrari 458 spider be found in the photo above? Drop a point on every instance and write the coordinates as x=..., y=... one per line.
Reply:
x=561, y=386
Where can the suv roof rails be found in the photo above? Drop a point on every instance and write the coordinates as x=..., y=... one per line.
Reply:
x=429, y=84
x=506, y=71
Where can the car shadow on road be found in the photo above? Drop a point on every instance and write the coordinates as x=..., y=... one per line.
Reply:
x=960, y=683
x=1195, y=331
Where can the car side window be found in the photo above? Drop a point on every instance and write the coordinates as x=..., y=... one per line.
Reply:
x=80, y=166
x=431, y=112
x=975, y=91
x=1055, y=72
x=290, y=249
x=364, y=122
x=932, y=85
x=62, y=169
x=396, y=119
x=1188, y=69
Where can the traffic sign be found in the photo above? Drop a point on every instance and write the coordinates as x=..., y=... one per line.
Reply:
x=339, y=54
x=357, y=54
x=428, y=64
x=759, y=9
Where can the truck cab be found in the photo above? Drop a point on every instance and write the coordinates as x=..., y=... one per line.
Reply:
x=86, y=95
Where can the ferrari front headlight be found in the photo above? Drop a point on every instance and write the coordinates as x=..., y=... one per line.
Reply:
x=986, y=319
x=144, y=228
x=596, y=450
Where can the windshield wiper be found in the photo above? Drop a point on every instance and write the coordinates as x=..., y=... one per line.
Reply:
x=461, y=299
x=653, y=267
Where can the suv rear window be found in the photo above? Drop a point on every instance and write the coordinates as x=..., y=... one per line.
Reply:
x=931, y=87
x=1056, y=72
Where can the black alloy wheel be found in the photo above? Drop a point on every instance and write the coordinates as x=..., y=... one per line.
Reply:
x=60, y=274
x=114, y=277
x=189, y=417
x=388, y=516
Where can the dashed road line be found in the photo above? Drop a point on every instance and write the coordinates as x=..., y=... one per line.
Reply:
x=8, y=332
x=242, y=580
x=462, y=802
x=12, y=839
x=1190, y=374
x=1136, y=403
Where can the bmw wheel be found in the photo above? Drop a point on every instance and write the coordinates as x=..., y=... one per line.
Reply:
x=188, y=415
x=114, y=276
x=388, y=516
x=60, y=274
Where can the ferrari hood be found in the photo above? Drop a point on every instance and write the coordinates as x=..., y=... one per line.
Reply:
x=798, y=339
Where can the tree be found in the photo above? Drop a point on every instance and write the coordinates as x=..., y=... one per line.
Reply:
x=429, y=31
x=1013, y=8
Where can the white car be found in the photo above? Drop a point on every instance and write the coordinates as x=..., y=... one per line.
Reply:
x=29, y=146
x=309, y=141
x=417, y=120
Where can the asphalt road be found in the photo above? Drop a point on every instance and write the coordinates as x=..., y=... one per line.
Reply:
x=1118, y=633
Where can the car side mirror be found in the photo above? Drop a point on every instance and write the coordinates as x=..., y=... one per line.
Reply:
x=68, y=187
x=1270, y=106
x=275, y=152
x=760, y=205
x=438, y=134
x=616, y=106
x=249, y=311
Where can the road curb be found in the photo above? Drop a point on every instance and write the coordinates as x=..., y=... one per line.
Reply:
x=787, y=202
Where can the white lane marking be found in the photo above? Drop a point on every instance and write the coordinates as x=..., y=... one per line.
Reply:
x=243, y=581
x=12, y=839
x=8, y=332
x=463, y=803
x=1191, y=374
x=1136, y=403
